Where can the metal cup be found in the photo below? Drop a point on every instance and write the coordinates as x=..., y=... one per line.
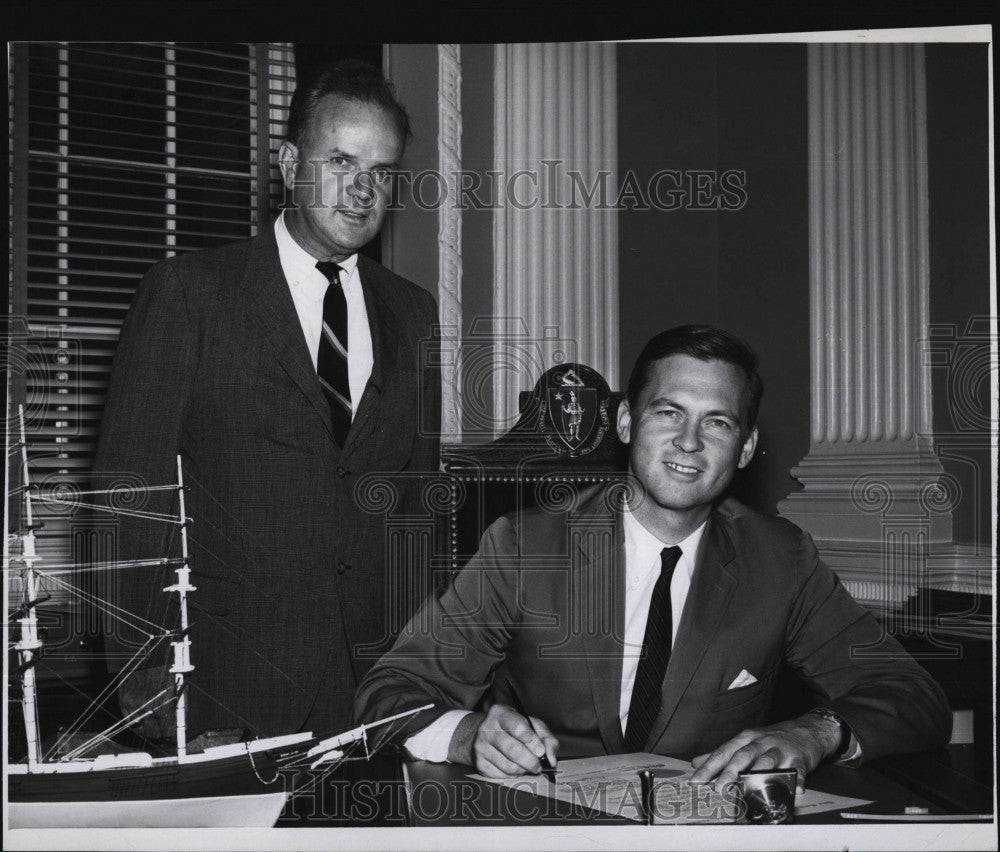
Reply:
x=767, y=797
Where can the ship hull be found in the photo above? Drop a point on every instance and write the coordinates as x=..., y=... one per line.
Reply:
x=244, y=790
x=249, y=811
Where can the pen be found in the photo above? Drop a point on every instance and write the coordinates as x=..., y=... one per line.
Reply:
x=548, y=770
x=646, y=794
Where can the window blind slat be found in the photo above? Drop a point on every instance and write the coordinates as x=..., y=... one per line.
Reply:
x=219, y=131
x=157, y=156
x=234, y=51
x=151, y=76
x=154, y=188
x=87, y=236
x=176, y=233
x=181, y=61
x=214, y=220
x=152, y=94
x=150, y=166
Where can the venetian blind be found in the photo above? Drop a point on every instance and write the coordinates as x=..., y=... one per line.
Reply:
x=123, y=154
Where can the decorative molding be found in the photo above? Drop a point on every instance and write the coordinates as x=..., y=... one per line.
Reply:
x=880, y=579
x=450, y=237
x=962, y=568
x=859, y=492
x=896, y=591
x=874, y=594
x=555, y=265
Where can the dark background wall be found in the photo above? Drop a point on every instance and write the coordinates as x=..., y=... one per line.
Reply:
x=714, y=108
x=477, y=242
x=409, y=238
x=958, y=183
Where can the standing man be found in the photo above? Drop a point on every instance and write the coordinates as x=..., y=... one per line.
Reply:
x=655, y=617
x=282, y=369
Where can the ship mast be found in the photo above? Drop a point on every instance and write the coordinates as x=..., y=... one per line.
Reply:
x=182, y=646
x=29, y=643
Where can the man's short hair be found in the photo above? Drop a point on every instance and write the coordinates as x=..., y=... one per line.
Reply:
x=349, y=78
x=706, y=344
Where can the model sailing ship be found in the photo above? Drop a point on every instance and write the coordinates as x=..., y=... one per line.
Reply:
x=240, y=784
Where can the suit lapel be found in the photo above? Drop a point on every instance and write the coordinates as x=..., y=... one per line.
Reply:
x=712, y=587
x=384, y=330
x=601, y=573
x=273, y=312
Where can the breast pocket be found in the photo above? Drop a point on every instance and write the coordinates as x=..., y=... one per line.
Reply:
x=743, y=697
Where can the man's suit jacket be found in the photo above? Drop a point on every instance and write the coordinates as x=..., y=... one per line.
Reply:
x=542, y=602
x=288, y=559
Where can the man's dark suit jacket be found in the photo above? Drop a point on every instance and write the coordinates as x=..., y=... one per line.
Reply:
x=542, y=602
x=289, y=562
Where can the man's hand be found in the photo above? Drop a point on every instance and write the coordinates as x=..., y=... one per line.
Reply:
x=505, y=744
x=799, y=744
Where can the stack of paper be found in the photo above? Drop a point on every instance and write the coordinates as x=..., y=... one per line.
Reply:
x=610, y=784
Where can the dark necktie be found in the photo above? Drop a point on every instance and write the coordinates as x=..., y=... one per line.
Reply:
x=645, y=704
x=331, y=362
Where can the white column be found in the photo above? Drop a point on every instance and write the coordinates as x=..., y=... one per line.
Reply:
x=555, y=253
x=873, y=497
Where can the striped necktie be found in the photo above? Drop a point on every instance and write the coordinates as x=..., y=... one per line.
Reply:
x=645, y=704
x=331, y=363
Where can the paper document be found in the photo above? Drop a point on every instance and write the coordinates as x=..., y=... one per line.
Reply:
x=610, y=784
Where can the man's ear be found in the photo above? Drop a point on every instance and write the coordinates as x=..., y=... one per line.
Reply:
x=624, y=422
x=749, y=445
x=288, y=162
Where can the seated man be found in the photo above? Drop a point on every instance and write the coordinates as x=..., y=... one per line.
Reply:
x=654, y=614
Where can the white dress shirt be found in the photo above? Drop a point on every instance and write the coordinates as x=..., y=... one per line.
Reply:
x=308, y=288
x=642, y=567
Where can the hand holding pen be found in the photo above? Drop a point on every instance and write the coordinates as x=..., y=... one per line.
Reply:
x=509, y=743
x=548, y=766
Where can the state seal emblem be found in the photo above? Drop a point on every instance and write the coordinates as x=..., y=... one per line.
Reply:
x=573, y=414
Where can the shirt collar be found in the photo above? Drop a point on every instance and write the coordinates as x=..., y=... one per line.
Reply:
x=297, y=263
x=646, y=548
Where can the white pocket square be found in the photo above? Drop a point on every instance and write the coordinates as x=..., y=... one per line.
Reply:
x=744, y=678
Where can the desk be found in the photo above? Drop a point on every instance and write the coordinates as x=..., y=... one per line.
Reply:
x=952, y=778
x=443, y=795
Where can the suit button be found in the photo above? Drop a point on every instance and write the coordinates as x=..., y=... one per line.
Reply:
x=341, y=473
x=341, y=567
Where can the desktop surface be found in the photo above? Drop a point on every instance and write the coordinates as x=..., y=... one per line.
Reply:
x=446, y=795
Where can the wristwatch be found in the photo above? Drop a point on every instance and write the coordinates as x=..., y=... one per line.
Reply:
x=845, y=731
